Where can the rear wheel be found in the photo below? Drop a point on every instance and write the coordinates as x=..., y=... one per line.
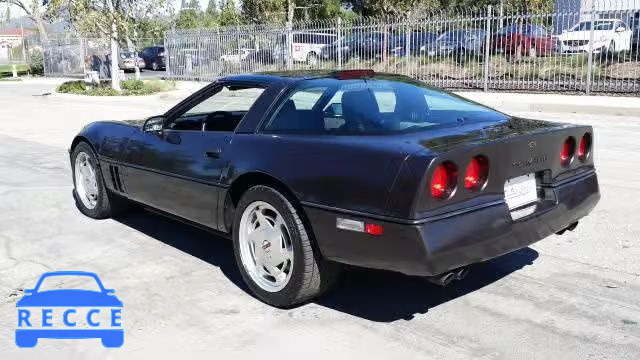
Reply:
x=274, y=251
x=155, y=66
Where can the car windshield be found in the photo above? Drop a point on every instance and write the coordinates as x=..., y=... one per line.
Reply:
x=452, y=35
x=510, y=29
x=69, y=282
x=373, y=106
x=597, y=25
x=127, y=55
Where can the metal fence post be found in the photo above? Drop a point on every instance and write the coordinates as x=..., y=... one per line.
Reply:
x=83, y=52
x=407, y=44
x=487, y=46
x=339, y=43
x=289, y=50
x=167, y=53
x=590, y=55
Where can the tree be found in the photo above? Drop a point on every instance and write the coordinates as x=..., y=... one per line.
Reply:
x=211, y=14
x=118, y=21
x=212, y=8
x=189, y=18
x=263, y=11
x=228, y=13
x=7, y=16
x=34, y=10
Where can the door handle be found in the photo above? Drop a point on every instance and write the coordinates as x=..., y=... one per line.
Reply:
x=213, y=153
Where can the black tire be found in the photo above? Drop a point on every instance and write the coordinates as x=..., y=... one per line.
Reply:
x=154, y=66
x=107, y=204
x=311, y=275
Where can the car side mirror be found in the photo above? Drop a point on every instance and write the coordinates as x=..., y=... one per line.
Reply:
x=109, y=291
x=154, y=124
x=28, y=291
x=620, y=29
x=335, y=110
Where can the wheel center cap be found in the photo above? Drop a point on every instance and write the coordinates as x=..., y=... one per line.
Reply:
x=266, y=246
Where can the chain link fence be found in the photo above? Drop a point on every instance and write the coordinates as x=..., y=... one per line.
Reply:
x=580, y=46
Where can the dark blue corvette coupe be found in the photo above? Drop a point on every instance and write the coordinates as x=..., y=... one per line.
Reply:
x=306, y=170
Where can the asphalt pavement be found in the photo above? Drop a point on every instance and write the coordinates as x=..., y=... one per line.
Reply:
x=574, y=296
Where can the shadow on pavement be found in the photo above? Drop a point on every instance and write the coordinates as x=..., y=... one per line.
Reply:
x=374, y=295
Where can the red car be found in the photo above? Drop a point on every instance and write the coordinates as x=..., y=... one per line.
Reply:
x=524, y=39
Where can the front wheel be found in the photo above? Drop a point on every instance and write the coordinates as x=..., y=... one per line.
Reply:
x=89, y=191
x=274, y=251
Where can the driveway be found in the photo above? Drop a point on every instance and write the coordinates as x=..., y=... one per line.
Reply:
x=567, y=297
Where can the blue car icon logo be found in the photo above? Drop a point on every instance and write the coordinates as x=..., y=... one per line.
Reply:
x=60, y=313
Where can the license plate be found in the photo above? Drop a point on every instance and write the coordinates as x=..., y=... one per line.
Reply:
x=520, y=191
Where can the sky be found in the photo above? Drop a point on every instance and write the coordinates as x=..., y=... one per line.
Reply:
x=15, y=11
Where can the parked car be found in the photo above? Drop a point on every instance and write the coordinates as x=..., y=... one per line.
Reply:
x=237, y=56
x=305, y=170
x=359, y=45
x=154, y=57
x=524, y=39
x=609, y=35
x=127, y=61
x=262, y=57
x=420, y=43
x=460, y=44
x=305, y=46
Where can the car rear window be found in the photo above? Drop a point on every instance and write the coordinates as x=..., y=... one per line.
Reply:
x=372, y=106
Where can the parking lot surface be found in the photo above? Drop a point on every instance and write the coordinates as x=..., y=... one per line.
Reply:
x=574, y=296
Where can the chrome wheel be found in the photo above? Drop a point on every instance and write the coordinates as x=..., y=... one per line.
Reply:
x=266, y=249
x=86, y=183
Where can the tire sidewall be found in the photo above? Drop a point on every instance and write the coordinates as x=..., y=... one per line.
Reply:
x=289, y=293
x=102, y=205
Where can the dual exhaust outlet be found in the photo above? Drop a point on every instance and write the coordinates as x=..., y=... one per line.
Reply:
x=460, y=273
x=449, y=276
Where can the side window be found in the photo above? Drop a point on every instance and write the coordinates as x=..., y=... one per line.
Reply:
x=386, y=99
x=295, y=114
x=222, y=111
x=306, y=100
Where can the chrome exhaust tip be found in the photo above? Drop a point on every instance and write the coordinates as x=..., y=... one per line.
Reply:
x=571, y=227
x=446, y=278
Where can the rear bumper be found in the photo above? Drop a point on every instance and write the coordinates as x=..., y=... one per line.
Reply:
x=434, y=246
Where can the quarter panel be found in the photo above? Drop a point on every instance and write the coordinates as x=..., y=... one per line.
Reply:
x=353, y=173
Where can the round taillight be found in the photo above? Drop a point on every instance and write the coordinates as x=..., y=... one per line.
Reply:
x=568, y=150
x=477, y=173
x=584, y=148
x=444, y=180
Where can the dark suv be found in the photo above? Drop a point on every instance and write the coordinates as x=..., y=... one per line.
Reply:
x=359, y=45
x=154, y=57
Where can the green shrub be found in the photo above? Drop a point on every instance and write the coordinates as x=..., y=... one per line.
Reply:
x=72, y=87
x=154, y=86
x=36, y=62
x=132, y=85
x=129, y=87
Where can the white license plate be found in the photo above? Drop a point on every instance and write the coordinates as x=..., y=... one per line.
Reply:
x=520, y=191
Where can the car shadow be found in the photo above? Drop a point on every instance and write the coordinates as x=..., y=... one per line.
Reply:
x=375, y=295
